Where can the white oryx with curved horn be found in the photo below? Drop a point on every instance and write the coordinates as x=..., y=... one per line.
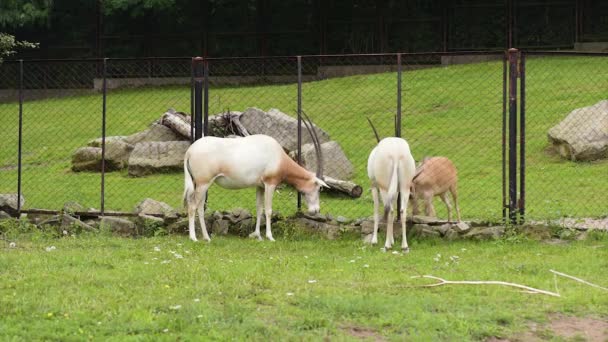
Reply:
x=391, y=168
x=252, y=161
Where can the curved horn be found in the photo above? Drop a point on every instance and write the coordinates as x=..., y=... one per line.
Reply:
x=374, y=128
x=317, y=145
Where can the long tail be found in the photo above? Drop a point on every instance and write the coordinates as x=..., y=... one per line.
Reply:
x=189, y=186
x=392, y=187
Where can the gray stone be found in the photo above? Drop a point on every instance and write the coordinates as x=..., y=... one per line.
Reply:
x=119, y=225
x=368, y=238
x=89, y=158
x=423, y=231
x=280, y=126
x=8, y=203
x=73, y=207
x=342, y=220
x=54, y=220
x=424, y=219
x=583, y=134
x=315, y=217
x=335, y=162
x=4, y=215
x=485, y=233
x=367, y=227
x=461, y=227
x=98, y=142
x=220, y=227
x=178, y=227
x=451, y=235
x=68, y=222
x=156, y=132
x=157, y=156
x=443, y=229
x=153, y=207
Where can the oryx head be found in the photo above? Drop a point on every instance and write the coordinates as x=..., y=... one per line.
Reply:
x=312, y=196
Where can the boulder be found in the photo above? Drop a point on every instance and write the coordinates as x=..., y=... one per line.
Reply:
x=89, y=158
x=335, y=162
x=156, y=132
x=111, y=139
x=157, y=156
x=119, y=225
x=4, y=215
x=280, y=126
x=152, y=207
x=8, y=203
x=68, y=222
x=485, y=233
x=583, y=134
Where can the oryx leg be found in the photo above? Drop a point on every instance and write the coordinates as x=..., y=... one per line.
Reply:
x=446, y=200
x=259, y=202
x=389, y=230
x=268, y=192
x=202, y=196
x=405, y=195
x=376, y=215
x=454, y=192
x=428, y=204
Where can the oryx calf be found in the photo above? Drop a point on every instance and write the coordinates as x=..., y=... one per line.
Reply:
x=435, y=177
x=253, y=161
x=391, y=168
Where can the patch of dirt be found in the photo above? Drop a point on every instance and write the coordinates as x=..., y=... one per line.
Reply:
x=363, y=333
x=590, y=329
x=587, y=329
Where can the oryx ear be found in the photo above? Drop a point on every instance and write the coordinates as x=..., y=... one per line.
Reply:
x=320, y=182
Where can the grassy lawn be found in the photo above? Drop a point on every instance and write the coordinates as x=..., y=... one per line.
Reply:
x=454, y=111
x=101, y=287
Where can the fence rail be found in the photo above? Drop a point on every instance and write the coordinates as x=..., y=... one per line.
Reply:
x=91, y=131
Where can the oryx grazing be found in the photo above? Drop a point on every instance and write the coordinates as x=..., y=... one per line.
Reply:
x=252, y=161
x=391, y=169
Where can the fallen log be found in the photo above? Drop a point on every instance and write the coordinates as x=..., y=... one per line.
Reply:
x=178, y=122
x=351, y=189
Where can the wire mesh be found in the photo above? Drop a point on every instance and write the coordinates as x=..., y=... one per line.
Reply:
x=451, y=107
x=567, y=136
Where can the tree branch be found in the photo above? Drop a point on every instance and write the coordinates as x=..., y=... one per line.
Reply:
x=578, y=279
x=526, y=289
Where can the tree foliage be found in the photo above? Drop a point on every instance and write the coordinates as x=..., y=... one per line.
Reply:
x=16, y=13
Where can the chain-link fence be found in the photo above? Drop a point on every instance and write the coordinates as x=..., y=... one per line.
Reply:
x=447, y=105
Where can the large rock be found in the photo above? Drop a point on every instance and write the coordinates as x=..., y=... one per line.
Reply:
x=583, y=134
x=157, y=156
x=8, y=203
x=335, y=162
x=152, y=207
x=156, y=132
x=89, y=158
x=280, y=126
x=119, y=225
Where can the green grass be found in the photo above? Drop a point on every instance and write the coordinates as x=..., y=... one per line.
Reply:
x=454, y=111
x=101, y=287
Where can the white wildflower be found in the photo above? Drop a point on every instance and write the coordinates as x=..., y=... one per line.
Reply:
x=352, y=260
x=165, y=330
x=178, y=256
x=175, y=307
x=366, y=266
x=312, y=281
x=12, y=245
x=51, y=248
x=197, y=300
x=165, y=261
x=65, y=232
x=156, y=249
x=395, y=252
x=289, y=293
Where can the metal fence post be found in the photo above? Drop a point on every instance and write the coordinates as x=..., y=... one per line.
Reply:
x=299, y=60
x=522, y=137
x=505, y=204
x=103, y=136
x=398, y=123
x=197, y=65
x=206, y=97
x=20, y=139
x=513, y=135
